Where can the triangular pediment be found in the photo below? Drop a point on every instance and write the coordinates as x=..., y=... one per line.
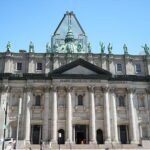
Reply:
x=80, y=69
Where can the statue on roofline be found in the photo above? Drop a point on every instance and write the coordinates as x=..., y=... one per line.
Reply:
x=31, y=47
x=79, y=47
x=146, y=49
x=48, y=48
x=125, y=48
x=102, y=47
x=109, y=48
x=8, y=47
x=89, y=48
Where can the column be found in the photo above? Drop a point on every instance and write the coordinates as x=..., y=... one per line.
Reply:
x=54, y=116
x=69, y=115
x=92, y=116
x=28, y=115
x=114, y=116
x=132, y=118
x=107, y=115
x=46, y=114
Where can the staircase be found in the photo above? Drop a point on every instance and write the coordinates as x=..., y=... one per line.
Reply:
x=82, y=147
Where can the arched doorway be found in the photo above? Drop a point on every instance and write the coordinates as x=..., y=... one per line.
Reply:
x=99, y=136
x=61, y=136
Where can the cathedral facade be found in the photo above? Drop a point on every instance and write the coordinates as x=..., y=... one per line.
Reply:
x=69, y=95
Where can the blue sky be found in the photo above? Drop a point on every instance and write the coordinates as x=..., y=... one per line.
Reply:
x=114, y=21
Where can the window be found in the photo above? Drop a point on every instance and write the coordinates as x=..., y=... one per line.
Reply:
x=119, y=67
x=80, y=100
x=38, y=100
x=141, y=101
x=39, y=66
x=138, y=68
x=121, y=101
x=19, y=66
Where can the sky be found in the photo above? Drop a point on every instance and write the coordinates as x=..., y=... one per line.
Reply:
x=114, y=21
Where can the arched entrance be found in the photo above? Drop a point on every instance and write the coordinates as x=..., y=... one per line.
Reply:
x=61, y=136
x=99, y=136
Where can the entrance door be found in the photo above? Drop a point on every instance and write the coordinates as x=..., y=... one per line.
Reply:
x=36, y=134
x=123, y=134
x=99, y=136
x=80, y=134
x=61, y=139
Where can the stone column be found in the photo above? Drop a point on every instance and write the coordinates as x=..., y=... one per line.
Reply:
x=92, y=116
x=69, y=115
x=114, y=116
x=28, y=115
x=46, y=114
x=132, y=118
x=107, y=115
x=54, y=116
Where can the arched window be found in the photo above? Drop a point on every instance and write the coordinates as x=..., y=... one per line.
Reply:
x=80, y=100
x=37, y=100
x=61, y=136
x=99, y=136
x=121, y=101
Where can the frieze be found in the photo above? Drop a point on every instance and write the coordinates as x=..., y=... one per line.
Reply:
x=81, y=80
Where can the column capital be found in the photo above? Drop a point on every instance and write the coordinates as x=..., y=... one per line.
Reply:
x=130, y=90
x=5, y=88
x=147, y=91
x=105, y=89
x=91, y=88
x=112, y=90
x=28, y=89
x=46, y=89
x=54, y=88
x=68, y=88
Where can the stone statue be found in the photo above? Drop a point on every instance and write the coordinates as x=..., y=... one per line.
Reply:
x=89, y=48
x=102, y=47
x=79, y=47
x=8, y=46
x=31, y=47
x=146, y=49
x=48, y=48
x=125, y=48
x=109, y=48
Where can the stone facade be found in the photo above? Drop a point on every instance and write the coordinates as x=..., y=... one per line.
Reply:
x=74, y=97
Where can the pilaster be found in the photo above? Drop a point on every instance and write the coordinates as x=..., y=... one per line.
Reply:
x=69, y=115
x=29, y=99
x=46, y=114
x=132, y=118
x=54, y=115
x=107, y=115
x=114, y=116
x=92, y=115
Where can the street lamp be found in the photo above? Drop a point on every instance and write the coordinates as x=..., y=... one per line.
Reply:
x=5, y=124
x=59, y=137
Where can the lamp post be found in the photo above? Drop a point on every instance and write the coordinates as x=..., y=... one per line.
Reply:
x=19, y=113
x=59, y=137
x=5, y=123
